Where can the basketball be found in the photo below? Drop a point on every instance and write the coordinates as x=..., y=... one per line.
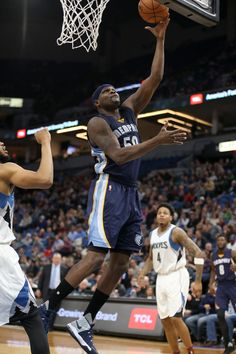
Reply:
x=152, y=12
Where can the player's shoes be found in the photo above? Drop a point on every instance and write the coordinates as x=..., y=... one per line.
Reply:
x=46, y=315
x=190, y=350
x=229, y=349
x=81, y=331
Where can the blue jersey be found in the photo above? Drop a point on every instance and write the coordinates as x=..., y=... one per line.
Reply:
x=222, y=266
x=126, y=131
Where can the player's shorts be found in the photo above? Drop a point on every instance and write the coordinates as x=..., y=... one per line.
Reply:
x=226, y=292
x=16, y=296
x=172, y=292
x=115, y=215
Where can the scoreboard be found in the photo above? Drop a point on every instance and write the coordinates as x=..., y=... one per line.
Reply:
x=206, y=12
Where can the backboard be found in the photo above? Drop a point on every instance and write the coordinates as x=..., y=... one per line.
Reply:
x=206, y=12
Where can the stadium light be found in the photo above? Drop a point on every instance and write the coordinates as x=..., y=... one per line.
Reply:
x=82, y=135
x=71, y=129
x=177, y=126
x=12, y=102
x=227, y=146
x=174, y=113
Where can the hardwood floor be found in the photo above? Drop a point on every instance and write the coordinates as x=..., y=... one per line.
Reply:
x=13, y=340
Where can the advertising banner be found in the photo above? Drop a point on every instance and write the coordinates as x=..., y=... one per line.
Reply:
x=117, y=317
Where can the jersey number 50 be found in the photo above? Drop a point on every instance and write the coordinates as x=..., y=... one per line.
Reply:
x=130, y=140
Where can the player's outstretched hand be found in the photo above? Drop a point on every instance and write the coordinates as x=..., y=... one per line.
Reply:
x=3, y=150
x=42, y=136
x=159, y=30
x=176, y=136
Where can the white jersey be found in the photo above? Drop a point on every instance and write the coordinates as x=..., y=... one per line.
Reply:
x=6, y=218
x=168, y=256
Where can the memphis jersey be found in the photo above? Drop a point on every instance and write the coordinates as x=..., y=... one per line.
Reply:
x=167, y=255
x=222, y=266
x=6, y=218
x=126, y=131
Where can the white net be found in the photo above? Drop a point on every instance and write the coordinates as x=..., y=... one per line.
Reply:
x=81, y=22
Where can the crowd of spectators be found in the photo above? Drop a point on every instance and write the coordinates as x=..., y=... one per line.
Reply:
x=191, y=68
x=49, y=221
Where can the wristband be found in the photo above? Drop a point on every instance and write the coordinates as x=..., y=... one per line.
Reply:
x=198, y=261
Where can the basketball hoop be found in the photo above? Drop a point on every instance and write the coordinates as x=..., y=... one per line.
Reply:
x=81, y=22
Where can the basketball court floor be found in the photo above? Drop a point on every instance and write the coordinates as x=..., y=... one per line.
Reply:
x=14, y=341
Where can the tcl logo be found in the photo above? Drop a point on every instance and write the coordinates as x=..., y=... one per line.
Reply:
x=196, y=99
x=143, y=318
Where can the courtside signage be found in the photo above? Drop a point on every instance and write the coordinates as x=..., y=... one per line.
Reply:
x=21, y=133
x=143, y=318
x=227, y=146
x=126, y=318
x=196, y=99
x=220, y=94
x=51, y=127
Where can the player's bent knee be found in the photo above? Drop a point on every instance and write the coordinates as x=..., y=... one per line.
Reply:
x=121, y=267
x=95, y=257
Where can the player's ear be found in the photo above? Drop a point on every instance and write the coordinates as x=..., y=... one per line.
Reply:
x=96, y=104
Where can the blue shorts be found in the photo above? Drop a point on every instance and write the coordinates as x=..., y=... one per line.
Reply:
x=226, y=292
x=114, y=215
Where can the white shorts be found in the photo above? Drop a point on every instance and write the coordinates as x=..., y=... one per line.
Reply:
x=15, y=291
x=172, y=292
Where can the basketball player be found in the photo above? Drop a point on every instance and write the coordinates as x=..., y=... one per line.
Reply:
x=223, y=271
x=17, y=301
x=167, y=256
x=115, y=215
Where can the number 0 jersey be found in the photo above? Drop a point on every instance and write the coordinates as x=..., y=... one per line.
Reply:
x=168, y=256
x=6, y=218
x=126, y=131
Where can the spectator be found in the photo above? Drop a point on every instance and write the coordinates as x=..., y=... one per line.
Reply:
x=50, y=277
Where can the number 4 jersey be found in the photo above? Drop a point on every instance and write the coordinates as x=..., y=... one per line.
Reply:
x=126, y=131
x=168, y=256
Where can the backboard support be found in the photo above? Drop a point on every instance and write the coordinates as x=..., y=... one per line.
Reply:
x=205, y=12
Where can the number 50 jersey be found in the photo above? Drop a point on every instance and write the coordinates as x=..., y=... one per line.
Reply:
x=126, y=131
x=168, y=256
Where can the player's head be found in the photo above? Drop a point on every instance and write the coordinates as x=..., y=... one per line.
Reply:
x=106, y=97
x=221, y=241
x=56, y=258
x=165, y=214
x=4, y=156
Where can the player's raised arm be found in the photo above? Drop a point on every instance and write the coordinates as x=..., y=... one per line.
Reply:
x=101, y=135
x=43, y=177
x=180, y=236
x=140, y=99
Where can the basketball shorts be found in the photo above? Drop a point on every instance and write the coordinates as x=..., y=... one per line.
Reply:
x=172, y=292
x=226, y=292
x=115, y=215
x=17, y=299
